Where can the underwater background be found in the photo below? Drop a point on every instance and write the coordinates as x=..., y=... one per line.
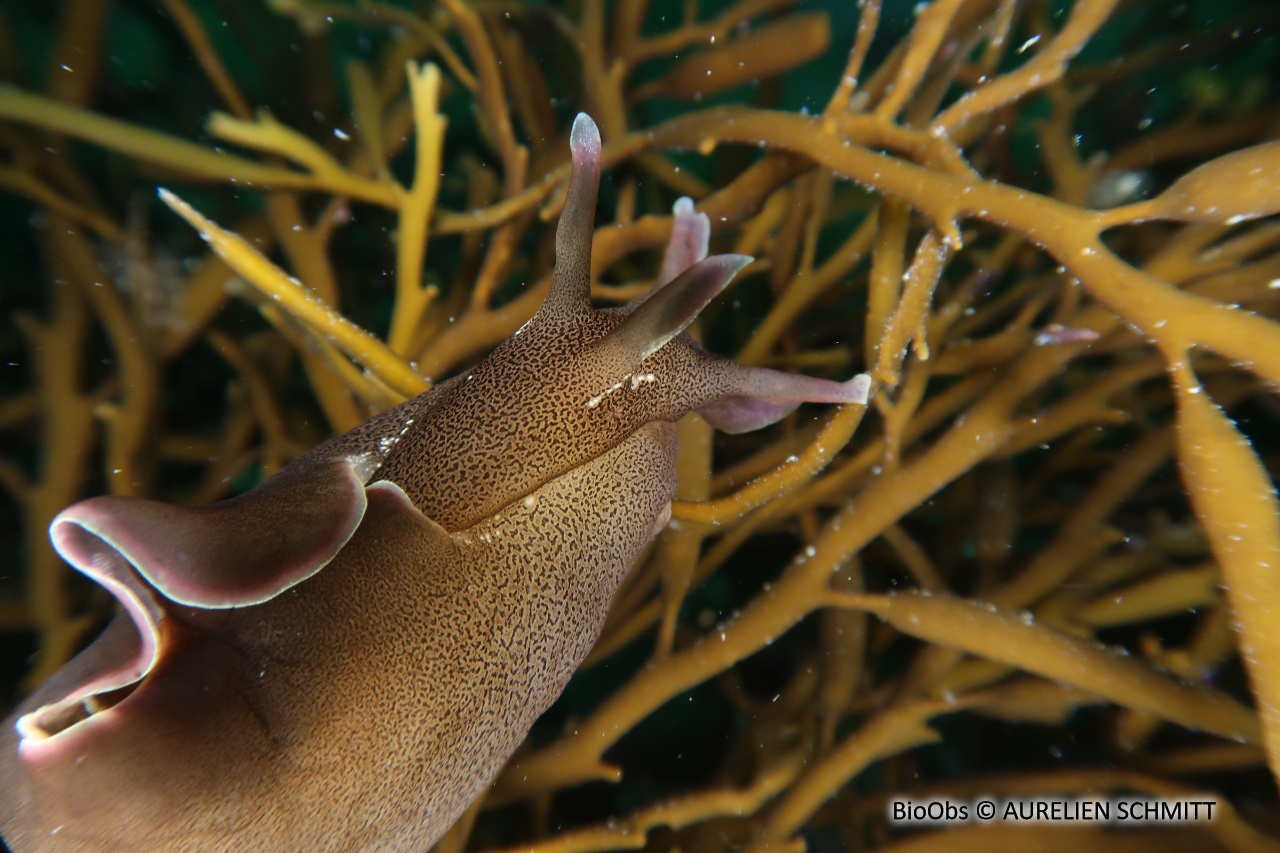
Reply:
x=1055, y=432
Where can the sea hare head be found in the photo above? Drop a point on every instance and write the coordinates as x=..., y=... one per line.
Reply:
x=576, y=380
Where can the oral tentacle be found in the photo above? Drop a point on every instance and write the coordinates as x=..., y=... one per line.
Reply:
x=754, y=397
x=670, y=311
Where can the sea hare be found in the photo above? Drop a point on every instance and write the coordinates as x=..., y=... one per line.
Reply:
x=342, y=658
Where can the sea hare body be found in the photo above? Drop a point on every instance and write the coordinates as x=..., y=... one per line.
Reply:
x=344, y=657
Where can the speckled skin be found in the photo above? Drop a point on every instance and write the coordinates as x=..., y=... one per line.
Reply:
x=351, y=674
x=551, y=428
x=372, y=737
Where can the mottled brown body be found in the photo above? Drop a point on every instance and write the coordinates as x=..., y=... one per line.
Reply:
x=343, y=658
x=451, y=459
x=307, y=692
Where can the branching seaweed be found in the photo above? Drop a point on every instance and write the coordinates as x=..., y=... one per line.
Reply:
x=1059, y=505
